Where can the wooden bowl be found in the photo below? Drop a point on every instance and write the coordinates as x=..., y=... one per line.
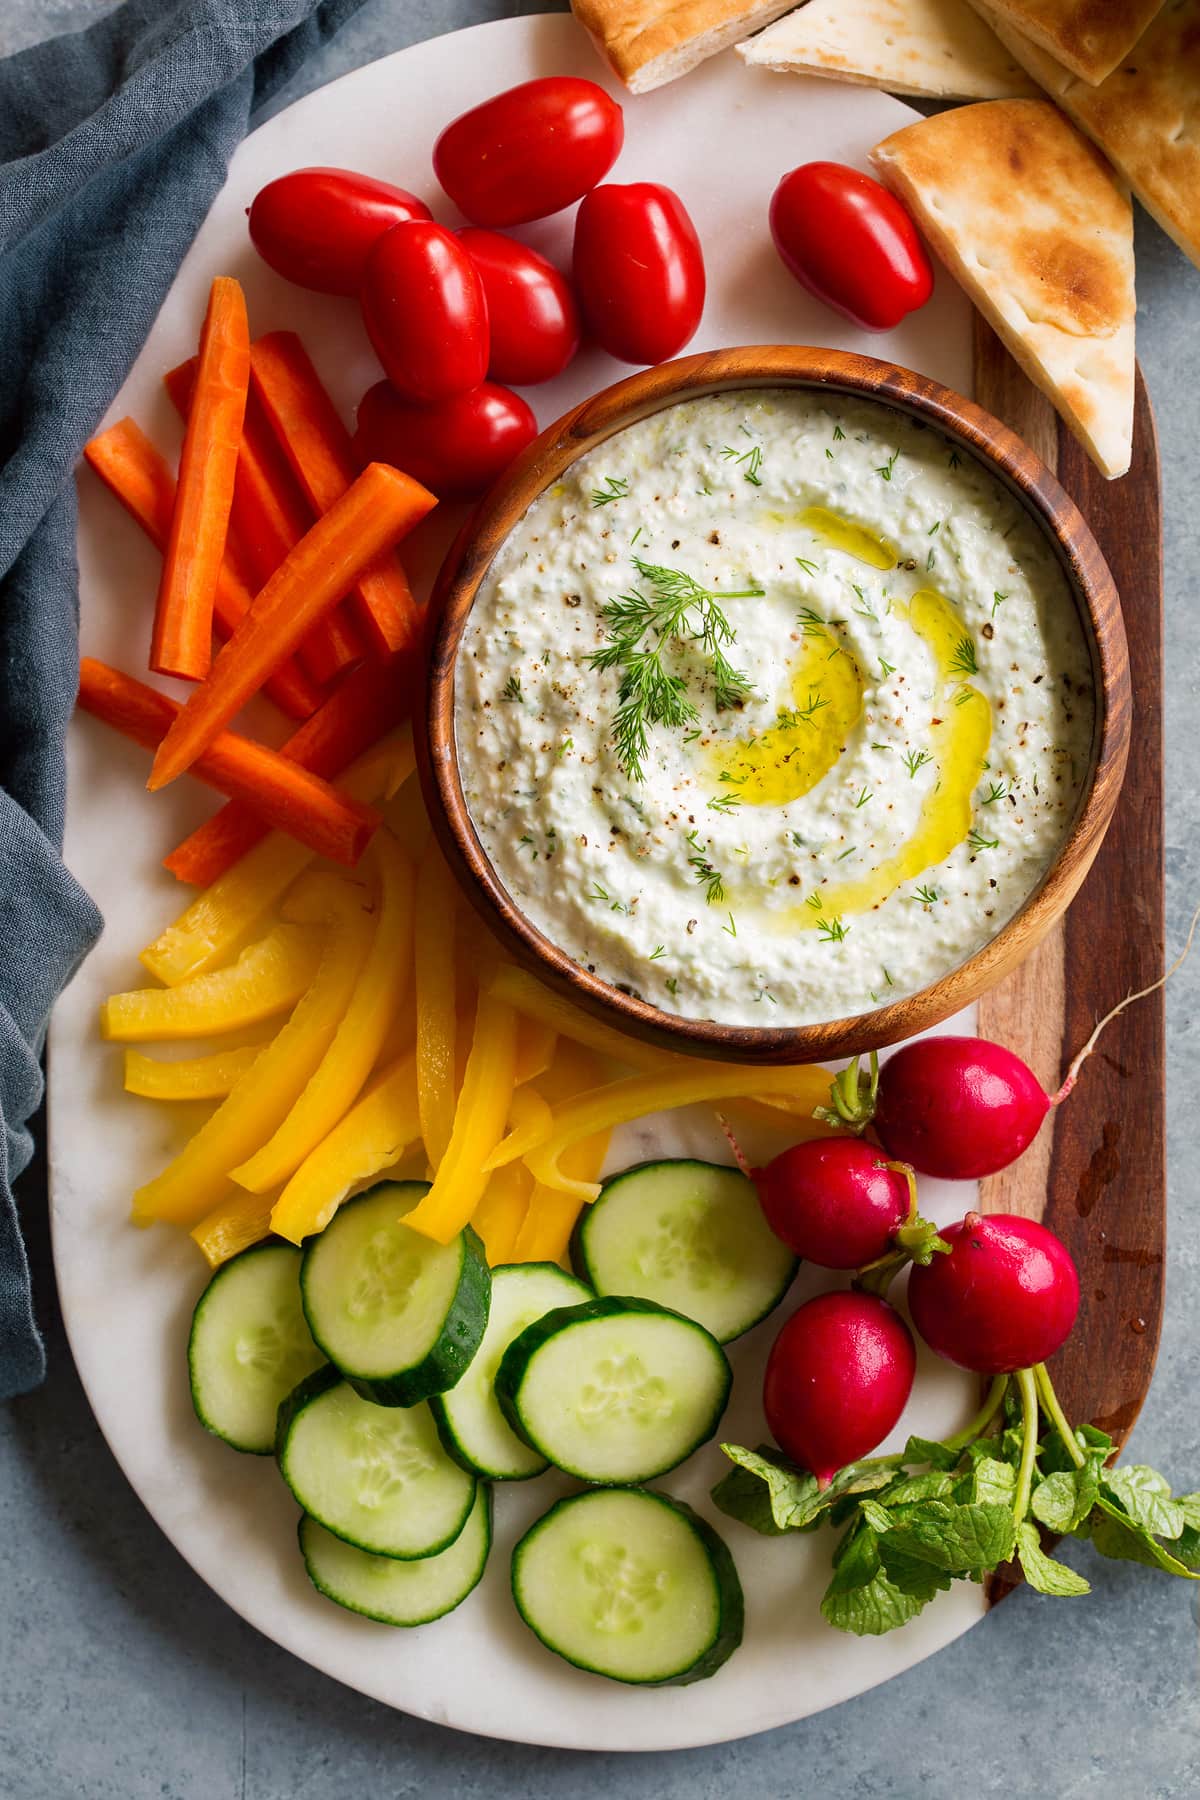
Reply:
x=779, y=366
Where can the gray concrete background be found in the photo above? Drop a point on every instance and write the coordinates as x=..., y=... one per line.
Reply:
x=123, y=1678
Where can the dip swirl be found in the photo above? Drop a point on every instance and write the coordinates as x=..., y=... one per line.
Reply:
x=775, y=708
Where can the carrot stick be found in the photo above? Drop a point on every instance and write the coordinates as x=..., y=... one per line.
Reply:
x=318, y=447
x=371, y=701
x=371, y=516
x=268, y=517
x=138, y=474
x=182, y=640
x=288, y=797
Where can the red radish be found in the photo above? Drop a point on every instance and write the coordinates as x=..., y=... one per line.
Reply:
x=1005, y=1297
x=834, y=1201
x=958, y=1107
x=838, y=1378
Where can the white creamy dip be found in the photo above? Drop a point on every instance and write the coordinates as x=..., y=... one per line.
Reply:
x=908, y=721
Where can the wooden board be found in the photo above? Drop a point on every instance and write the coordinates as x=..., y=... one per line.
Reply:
x=1096, y=1173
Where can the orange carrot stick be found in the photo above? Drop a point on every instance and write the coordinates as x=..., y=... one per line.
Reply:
x=268, y=517
x=371, y=516
x=182, y=640
x=317, y=445
x=370, y=702
x=139, y=476
x=286, y=796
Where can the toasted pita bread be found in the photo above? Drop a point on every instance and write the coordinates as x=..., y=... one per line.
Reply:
x=650, y=42
x=1145, y=117
x=1031, y=221
x=1089, y=37
x=937, y=48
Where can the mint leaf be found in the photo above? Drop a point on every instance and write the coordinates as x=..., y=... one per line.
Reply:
x=928, y=1450
x=1186, y=1547
x=1063, y=1501
x=1146, y=1497
x=744, y=1496
x=1044, y=1572
x=875, y=1515
x=795, y=1501
x=937, y=1484
x=962, y=1540
x=868, y=1596
x=1116, y=1535
x=992, y=1483
x=1054, y=1456
x=1189, y=1505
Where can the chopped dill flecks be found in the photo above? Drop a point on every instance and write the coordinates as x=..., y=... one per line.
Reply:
x=889, y=465
x=512, y=689
x=916, y=759
x=832, y=931
x=615, y=488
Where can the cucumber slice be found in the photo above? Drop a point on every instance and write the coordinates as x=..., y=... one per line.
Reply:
x=249, y=1346
x=376, y=1476
x=399, y=1316
x=614, y=1390
x=630, y=1584
x=689, y=1235
x=472, y=1426
x=399, y=1593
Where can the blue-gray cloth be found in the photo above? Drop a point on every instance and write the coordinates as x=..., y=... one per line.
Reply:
x=113, y=144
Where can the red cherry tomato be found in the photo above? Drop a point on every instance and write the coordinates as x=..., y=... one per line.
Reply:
x=315, y=226
x=529, y=151
x=532, y=314
x=851, y=243
x=455, y=449
x=424, y=309
x=639, y=271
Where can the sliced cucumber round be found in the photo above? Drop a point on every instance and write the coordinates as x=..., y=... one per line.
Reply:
x=614, y=1390
x=473, y=1428
x=399, y=1316
x=399, y=1593
x=689, y=1235
x=376, y=1476
x=249, y=1346
x=630, y=1584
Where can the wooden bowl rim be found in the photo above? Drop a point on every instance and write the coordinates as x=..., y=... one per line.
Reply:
x=653, y=390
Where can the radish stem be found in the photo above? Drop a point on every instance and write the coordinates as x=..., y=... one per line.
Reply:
x=1081, y=1056
x=1029, y=1442
x=983, y=1417
x=1056, y=1415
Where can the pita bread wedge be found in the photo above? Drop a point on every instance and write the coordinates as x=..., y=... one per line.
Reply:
x=1030, y=220
x=650, y=42
x=937, y=48
x=1145, y=117
x=1089, y=37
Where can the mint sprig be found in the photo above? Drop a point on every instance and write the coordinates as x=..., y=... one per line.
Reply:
x=937, y=1512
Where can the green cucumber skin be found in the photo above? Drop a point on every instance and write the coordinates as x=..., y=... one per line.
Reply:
x=731, y=1601
x=268, y=1243
x=310, y=1389
x=460, y=1337
x=446, y=1432
x=606, y=1306
x=380, y=1618
x=577, y=1248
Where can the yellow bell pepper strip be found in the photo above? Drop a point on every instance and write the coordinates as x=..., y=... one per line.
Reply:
x=196, y=1181
x=336, y=1084
x=500, y=1215
x=618, y=1102
x=535, y=1049
x=533, y=1001
x=220, y=919
x=433, y=952
x=268, y=977
x=479, y=1120
x=194, y=1078
x=233, y=1226
x=374, y=1134
x=551, y=1215
x=528, y=1119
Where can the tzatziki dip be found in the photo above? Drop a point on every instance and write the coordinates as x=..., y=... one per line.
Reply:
x=775, y=708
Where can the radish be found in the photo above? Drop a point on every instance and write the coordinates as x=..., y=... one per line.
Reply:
x=960, y=1107
x=1005, y=1298
x=839, y=1203
x=837, y=1379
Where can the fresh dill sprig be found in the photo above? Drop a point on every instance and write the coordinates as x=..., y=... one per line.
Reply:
x=934, y=528
x=815, y=901
x=615, y=488
x=731, y=928
x=926, y=896
x=977, y=840
x=886, y=668
x=512, y=689
x=889, y=465
x=916, y=759
x=998, y=598
x=675, y=609
x=998, y=790
x=724, y=803
x=710, y=879
x=752, y=458
x=810, y=568
x=964, y=660
x=673, y=985
x=864, y=796
x=802, y=715
x=838, y=434
x=832, y=931
x=658, y=950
